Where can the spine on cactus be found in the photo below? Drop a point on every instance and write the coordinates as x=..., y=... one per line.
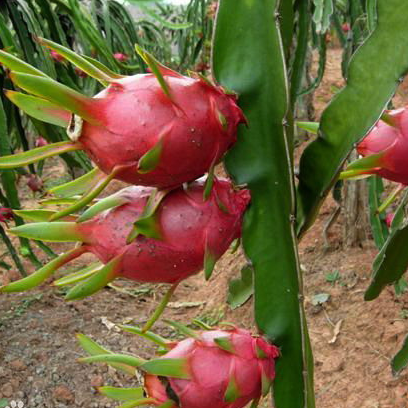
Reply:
x=160, y=129
x=220, y=368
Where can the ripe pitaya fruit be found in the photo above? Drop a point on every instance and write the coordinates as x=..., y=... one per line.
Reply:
x=159, y=129
x=214, y=368
x=120, y=57
x=40, y=142
x=6, y=214
x=174, y=237
x=389, y=218
x=35, y=183
x=384, y=149
x=56, y=57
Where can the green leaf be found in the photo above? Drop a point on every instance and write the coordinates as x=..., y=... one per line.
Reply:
x=87, y=198
x=103, y=205
x=35, y=215
x=114, y=358
x=78, y=275
x=15, y=64
x=3, y=402
x=167, y=367
x=209, y=262
x=241, y=289
x=35, y=155
x=79, y=185
x=155, y=338
x=183, y=329
x=122, y=394
x=50, y=231
x=96, y=281
x=311, y=127
x=43, y=273
x=355, y=109
x=58, y=94
x=391, y=262
x=40, y=109
x=151, y=159
x=378, y=226
x=94, y=349
x=262, y=159
x=232, y=392
x=82, y=63
x=400, y=360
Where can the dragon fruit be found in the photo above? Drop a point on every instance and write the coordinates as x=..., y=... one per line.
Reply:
x=215, y=368
x=175, y=235
x=384, y=149
x=159, y=129
x=6, y=214
x=120, y=57
x=35, y=183
x=40, y=142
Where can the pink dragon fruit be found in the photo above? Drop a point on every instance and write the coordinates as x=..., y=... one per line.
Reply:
x=6, y=214
x=120, y=57
x=35, y=183
x=56, y=57
x=177, y=238
x=159, y=129
x=40, y=142
x=215, y=368
x=384, y=150
x=389, y=218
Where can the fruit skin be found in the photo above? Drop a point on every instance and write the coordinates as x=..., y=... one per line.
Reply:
x=40, y=142
x=212, y=369
x=6, y=214
x=57, y=57
x=391, y=143
x=188, y=226
x=193, y=128
x=35, y=183
x=120, y=57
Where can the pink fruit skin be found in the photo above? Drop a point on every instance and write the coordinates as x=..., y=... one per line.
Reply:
x=34, y=183
x=56, y=57
x=187, y=225
x=389, y=219
x=120, y=57
x=40, y=142
x=212, y=368
x=136, y=114
x=392, y=142
x=6, y=214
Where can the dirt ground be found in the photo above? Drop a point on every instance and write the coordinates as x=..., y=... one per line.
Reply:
x=353, y=340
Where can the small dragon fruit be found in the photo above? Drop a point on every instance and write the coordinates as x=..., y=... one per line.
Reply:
x=159, y=129
x=215, y=368
x=384, y=150
x=175, y=235
x=35, y=183
x=40, y=142
x=120, y=57
x=56, y=56
x=6, y=214
x=389, y=218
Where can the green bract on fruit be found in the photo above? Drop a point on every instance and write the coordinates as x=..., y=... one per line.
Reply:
x=159, y=129
x=144, y=235
x=214, y=368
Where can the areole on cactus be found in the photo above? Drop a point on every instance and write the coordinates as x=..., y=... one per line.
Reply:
x=142, y=235
x=159, y=129
x=219, y=368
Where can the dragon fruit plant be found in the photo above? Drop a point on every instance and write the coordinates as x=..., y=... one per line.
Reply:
x=143, y=235
x=212, y=368
x=159, y=129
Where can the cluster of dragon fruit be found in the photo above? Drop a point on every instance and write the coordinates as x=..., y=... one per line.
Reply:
x=160, y=132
